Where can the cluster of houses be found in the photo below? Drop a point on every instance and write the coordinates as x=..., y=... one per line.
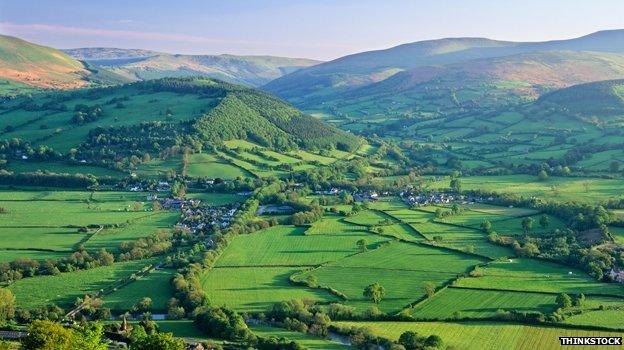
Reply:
x=197, y=218
x=415, y=198
x=143, y=186
x=357, y=196
x=616, y=275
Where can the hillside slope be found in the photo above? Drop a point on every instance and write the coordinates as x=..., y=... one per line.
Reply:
x=150, y=116
x=145, y=64
x=600, y=99
x=312, y=85
x=39, y=66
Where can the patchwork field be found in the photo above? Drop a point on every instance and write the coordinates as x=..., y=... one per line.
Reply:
x=401, y=268
x=476, y=303
x=484, y=335
x=539, y=276
x=63, y=289
x=554, y=188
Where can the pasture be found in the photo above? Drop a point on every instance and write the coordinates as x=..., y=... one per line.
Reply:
x=401, y=268
x=484, y=335
x=587, y=190
x=156, y=285
x=476, y=303
x=539, y=276
x=63, y=289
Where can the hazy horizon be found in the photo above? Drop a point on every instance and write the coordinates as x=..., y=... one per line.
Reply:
x=319, y=30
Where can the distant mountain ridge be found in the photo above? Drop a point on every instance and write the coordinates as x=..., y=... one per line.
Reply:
x=137, y=64
x=353, y=71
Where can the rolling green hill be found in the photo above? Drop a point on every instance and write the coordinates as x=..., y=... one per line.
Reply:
x=145, y=64
x=311, y=86
x=600, y=99
x=109, y=126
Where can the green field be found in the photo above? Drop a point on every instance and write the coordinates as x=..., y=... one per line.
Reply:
x=554, y=188
x=484, y=335
x=156, y=285
x=539, y=276
x=253, y=279
x=475, y=303
x=310, y=342
x=401, y=268
x=63, y=289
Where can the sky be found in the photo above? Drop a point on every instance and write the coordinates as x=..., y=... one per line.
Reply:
x=319, y=29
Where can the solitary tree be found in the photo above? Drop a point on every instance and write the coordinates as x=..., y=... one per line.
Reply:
x=361, y=245
x=374, y=292
x=486, y=226
x=527, y=224
x=544, y=221
x=455, y=185
x=542, y=175
x=429, y=289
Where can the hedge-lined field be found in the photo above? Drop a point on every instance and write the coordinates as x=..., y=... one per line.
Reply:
x=256, y=288
x=485, y=335
x=539, y=276
x=401, y=268
x=289, y=245
x=63, y=289
x=475, y=303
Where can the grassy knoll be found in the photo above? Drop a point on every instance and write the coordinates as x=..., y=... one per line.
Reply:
x=402, y=268
x=66, y=287
x=539, y=276
x=554, y=188
x=155, y=285
x=476, y=303
x=483, y=335
x=310, y=342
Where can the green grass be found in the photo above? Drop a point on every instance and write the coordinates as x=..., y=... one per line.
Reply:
x=155, y=285
x=602, y=318
x=61, y=168
x=290, y=246
x=111, y=238
x=206, y=165
x=308, y=341
x=369, y=218
x=483, y=335
x=539, y=276
x=476, y=303
x=66, y=287
x=514, y=226
x=461, y=238
x=255, y=289
x=566, y=188
x=401, y=268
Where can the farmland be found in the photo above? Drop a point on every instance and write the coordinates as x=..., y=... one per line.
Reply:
x=482, y=335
